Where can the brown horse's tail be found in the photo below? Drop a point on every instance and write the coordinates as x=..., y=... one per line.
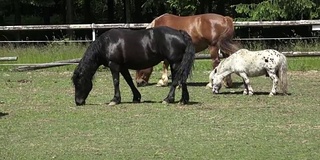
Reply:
x=226, y=43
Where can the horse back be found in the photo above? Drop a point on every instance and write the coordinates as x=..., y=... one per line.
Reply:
x=139, y=49
x=204, y=29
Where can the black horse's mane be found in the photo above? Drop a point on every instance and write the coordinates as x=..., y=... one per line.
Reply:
x=89, y=63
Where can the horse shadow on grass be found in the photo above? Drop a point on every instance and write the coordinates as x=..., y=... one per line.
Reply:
x=259, y=93
x=203, y=84
x=2, y=114
x=143, y=102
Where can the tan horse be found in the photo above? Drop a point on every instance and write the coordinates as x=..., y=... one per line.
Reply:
x=212, y=31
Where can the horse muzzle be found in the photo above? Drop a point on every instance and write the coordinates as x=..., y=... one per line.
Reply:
x=215, y=91
x=141, y=83
x=80, y=102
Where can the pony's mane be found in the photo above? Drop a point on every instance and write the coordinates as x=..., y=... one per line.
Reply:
x=220, y=64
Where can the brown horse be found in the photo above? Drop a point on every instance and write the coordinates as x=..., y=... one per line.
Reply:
x=212, y=31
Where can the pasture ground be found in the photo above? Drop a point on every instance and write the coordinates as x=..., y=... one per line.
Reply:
x=39, y=120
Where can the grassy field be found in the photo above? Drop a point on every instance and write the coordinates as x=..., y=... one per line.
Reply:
x=39, y=120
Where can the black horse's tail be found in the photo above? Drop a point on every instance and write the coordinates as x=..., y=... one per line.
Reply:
x=185, y=68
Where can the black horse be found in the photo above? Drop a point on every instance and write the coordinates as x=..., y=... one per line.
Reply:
x=123, y=49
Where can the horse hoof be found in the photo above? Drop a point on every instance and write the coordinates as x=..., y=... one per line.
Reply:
x=182, y=102
x=271, y=94
x=161, y=83
x=209, y=86
x=112, y=103
x=165, y=102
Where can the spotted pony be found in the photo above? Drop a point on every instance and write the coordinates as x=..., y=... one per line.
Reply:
x=247, y=63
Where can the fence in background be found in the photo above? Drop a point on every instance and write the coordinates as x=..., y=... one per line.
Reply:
x=315, y=24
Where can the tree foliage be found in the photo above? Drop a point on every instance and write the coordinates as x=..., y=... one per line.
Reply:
x=14, y=12
x=278, y=10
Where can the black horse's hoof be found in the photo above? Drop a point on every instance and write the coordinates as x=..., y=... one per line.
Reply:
x=112, y=103
x=167, y=101
x=183, y=102
x=136, y=101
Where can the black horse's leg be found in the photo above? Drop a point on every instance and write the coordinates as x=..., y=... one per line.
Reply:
x=136, y=94
x=115, y=69
x=185, y=94
x=174, y=84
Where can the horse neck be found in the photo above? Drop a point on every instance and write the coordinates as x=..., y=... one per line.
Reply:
x=224, y=68
x=88, y=68
x=90, y=61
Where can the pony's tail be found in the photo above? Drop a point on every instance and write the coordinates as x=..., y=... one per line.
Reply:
x=282, y=73
x=226, y=43
x=185, y=68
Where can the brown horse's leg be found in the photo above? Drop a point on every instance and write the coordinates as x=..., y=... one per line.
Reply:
x=142, y=76
x=164, y=78
x=214, y=52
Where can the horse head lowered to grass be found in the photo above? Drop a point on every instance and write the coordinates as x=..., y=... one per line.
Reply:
x=123, y=49
x=247, y=63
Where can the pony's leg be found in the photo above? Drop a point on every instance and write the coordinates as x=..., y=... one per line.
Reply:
x=214, y=53
x=174, y=84
x=248, y=89
x=136, y=94
x=164, y=78
x=275, y=80
x=115, y=70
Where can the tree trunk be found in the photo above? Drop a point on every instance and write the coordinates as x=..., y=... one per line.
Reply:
x=110, y=4
x=137, y=11
x=88, y=18
x=202, y=7
x=46, y=15
x=69, y=17
x=63, y=12
x=221, y=7
x=17, y=17
x=127, y=11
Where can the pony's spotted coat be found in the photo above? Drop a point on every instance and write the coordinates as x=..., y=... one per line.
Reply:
x=247, y=63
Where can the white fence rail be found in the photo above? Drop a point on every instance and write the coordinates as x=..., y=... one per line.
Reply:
x=314, y=23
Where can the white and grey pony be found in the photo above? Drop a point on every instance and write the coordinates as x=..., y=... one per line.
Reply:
x=247, y=63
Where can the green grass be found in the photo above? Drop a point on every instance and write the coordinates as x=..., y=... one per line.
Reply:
x=42, y=121
x=39, y=119
x=57, y=52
